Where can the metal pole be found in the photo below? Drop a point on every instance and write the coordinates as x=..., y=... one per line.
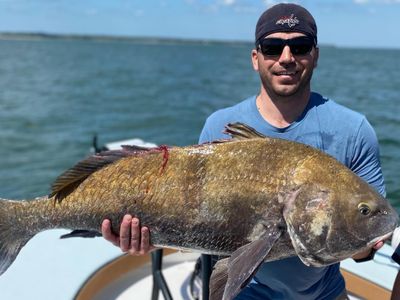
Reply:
x=158, y=278
x=206, y=270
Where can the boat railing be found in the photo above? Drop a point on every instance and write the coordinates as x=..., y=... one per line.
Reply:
x=160, y=284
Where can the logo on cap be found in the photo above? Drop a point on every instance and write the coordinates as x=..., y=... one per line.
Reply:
x=290, y=21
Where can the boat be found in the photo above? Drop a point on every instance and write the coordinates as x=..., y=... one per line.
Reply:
x=132, y=278
x=49, y=268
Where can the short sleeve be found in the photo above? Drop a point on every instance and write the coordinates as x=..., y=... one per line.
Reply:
x=365, y=160
x=204, y=135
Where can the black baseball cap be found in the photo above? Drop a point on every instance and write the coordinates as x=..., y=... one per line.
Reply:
x=286, y=17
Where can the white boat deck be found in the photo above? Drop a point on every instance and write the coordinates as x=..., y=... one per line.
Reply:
x=49, y=268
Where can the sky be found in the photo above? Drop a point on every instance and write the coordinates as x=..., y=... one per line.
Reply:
x=344, y=23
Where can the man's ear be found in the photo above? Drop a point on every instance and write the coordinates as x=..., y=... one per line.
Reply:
x=316, y=57
x=254, y=59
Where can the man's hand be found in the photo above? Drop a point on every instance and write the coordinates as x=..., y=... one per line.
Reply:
x=365, y=254
x=132, y=238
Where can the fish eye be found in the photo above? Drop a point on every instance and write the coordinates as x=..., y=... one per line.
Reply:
x=364, y=209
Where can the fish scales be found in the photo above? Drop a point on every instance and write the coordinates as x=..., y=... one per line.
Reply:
x=162, y=198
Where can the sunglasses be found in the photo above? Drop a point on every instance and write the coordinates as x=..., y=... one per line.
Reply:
x=298, y=46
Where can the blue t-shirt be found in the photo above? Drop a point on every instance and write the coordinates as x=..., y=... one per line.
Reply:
x=334, y=129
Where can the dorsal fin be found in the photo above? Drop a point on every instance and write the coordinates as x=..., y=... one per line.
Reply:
x=240, y=131
x=67, y=181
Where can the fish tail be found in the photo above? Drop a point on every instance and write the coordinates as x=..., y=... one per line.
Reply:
x=12, y=235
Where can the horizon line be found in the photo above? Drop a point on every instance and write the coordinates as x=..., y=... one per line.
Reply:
x=43, y=35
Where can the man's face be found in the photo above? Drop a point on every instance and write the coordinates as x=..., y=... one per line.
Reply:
x=286, y=74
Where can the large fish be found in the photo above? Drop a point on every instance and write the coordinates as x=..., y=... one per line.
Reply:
x=251, y=197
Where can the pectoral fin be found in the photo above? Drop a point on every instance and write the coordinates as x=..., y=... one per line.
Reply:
x=238, y=270
x=81, y=233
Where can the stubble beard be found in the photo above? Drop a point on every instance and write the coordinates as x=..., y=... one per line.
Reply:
x=276, y=93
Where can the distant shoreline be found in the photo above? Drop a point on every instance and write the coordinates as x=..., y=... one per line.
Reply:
x=100, y=37
x=40, y=36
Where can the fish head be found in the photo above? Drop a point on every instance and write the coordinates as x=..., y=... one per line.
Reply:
x=365, y=218
x=327, y=224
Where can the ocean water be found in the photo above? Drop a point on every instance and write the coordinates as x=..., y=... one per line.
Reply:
x=56, y=95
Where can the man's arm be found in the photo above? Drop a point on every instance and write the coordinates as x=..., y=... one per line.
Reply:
x=365, y=163
x=365, y=160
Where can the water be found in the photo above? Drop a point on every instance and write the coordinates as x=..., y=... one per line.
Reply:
x=56, y=94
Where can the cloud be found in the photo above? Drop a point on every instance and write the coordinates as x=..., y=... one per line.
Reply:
x=139, y=12
x=91, y=12
x=237, y=6
x=362, y=2
x=269, y=3
x=228, y=2
x=215, y=6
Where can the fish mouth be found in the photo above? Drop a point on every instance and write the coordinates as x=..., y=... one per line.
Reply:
x=380, y=238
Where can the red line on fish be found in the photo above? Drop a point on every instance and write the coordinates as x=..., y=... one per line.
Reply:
x=164, y=148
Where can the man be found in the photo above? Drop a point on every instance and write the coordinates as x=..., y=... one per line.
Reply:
x=285, y=56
